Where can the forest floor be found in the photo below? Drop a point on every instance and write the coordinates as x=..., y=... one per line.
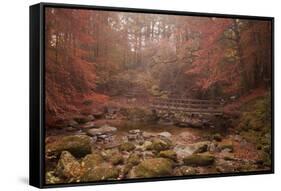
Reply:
x=127, y=140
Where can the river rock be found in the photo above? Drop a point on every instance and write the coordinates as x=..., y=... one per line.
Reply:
x=135, y=131
x=135, y=135
x=51, y=178
x=88, y=125
x=226, y=145
x=184, y=170
x=148, y=135
x=165, y=134
x=169, y=154
x=77, y=145
x=116, y=159
x=91, y=160
x=188, y=137
x=72, y=123
x=103, y=171
x=98, y=114
x=68, y=166
x=199, y=160
x=84, y=119
x=105, y=129
x=160, y=145
x=127, y=146
x=70, y=129
x=187, y=150
x=133, y=159
x=155, y=167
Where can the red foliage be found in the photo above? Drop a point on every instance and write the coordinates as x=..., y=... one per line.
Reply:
x=70, y=77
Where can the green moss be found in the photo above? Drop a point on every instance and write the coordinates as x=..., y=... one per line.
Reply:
x=199, y=160
x=77, y=145
x=170, y=154
x=134, y=159
x=117, y=159
x=102, y=172
x=127, y=146
x=92, y=160
x=68, y=166
x=255, y=122
x=155, y=167
x=160, y=145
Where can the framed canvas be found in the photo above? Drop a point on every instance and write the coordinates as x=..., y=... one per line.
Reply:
x=123, y=95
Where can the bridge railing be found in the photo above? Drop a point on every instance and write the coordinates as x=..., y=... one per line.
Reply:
x=188, y=105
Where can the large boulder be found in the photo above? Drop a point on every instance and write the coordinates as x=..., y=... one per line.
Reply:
x=169, y=154
x=105, y=129
x=68, y=166
x=155, y=167
x=77, y=145
x=103, y=171
x=92, y=160
x=199, y=160
x=116, y=159
x=133, y=159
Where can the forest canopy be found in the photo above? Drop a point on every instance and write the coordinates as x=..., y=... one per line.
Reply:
x=92, y=56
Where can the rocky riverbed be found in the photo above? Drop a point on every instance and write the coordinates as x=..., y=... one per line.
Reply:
x=112, y=147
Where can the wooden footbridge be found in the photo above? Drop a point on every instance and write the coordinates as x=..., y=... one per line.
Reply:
x=192, y=106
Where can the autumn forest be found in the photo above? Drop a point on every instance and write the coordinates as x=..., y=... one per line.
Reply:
x=138, y=95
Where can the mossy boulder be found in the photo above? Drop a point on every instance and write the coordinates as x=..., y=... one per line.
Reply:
x=159, y=145
x=133, y=159
x=84, y=119
x=77, y=145
x=68, y=166
x=199, y=160
x=117, y=159
x=92, y=160
x=127, y=146
x=255, y=121
x=170, y=154
x=155, y=167
x=103, y=171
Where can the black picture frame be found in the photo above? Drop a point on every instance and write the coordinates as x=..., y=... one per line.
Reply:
x=37, y=93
